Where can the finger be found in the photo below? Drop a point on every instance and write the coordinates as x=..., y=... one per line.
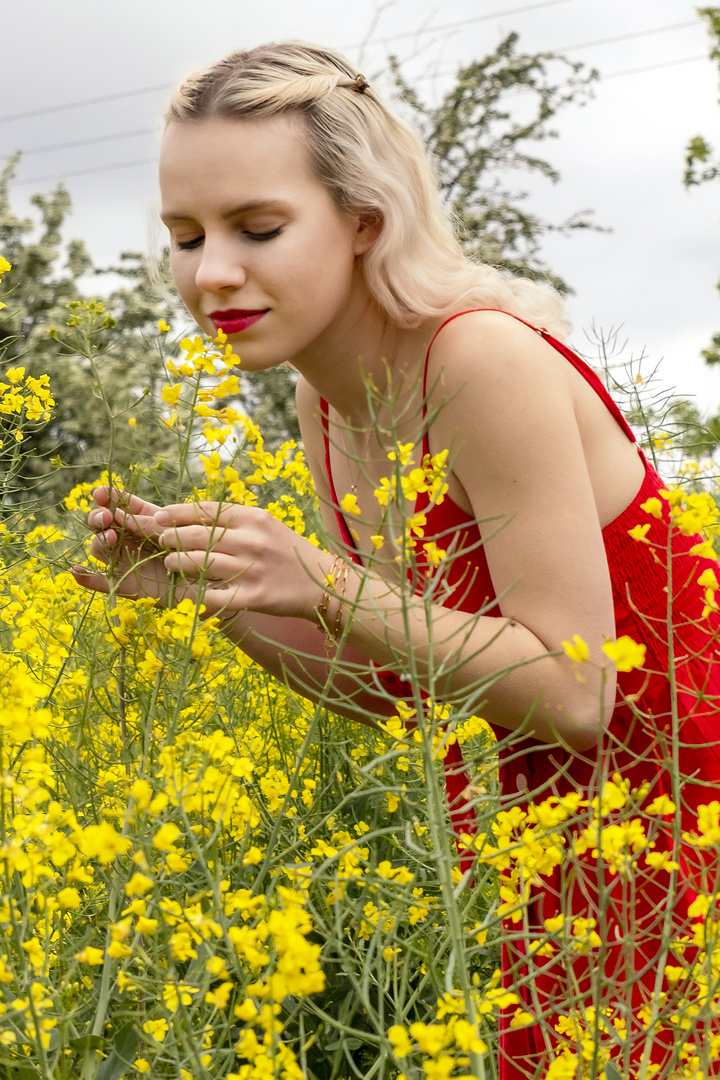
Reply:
x=113, y=498
x=141, y=527
x=193, y=537
x=191, y=564
x=102, y=544
x=89, y=579
x=205, y=513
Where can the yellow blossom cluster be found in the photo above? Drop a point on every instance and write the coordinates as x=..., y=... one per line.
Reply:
x=204, y=875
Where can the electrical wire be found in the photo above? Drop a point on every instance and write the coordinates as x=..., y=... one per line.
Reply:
x=380, y=41
x=153, y=161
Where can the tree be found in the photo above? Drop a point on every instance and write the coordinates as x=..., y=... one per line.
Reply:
x=477, y=140
x=44, y=280
x=702, y=162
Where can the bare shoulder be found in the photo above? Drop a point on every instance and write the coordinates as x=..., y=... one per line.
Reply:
x=491, y=364
x=490, y=343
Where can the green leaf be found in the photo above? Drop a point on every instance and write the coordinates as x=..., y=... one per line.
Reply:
x=122, y=1054
x=611, y=1072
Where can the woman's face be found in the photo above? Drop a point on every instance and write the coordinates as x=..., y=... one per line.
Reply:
x=259, y=248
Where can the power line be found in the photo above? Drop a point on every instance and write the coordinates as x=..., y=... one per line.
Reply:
x=653, y=67
x=86, y=101
x=627, y=37
x=455, y=25
x=380, y=41
x=88, y=142
x=152, y=161
x=53, y=177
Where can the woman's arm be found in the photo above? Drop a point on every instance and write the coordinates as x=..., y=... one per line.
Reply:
x=509, y=414
x=505, y=405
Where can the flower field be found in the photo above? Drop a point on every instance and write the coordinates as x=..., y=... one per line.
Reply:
x=203, y=875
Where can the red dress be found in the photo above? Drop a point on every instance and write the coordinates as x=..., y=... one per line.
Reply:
x=639, y=745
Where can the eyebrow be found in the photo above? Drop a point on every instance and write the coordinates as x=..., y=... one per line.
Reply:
x=242, y=208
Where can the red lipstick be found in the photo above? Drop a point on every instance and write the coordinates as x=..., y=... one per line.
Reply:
x=234, y=321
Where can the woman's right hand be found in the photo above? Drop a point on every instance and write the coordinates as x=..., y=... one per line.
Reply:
x=126, y=541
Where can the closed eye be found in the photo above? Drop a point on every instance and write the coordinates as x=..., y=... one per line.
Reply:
x=188, y=245
x=260, y=237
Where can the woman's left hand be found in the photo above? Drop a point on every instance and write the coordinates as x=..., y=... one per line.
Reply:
x=246, y=559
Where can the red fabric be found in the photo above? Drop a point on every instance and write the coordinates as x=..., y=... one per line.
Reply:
x=634, y=746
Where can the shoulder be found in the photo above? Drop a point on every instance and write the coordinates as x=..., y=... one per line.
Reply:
x=479, y=340
x=496, y=367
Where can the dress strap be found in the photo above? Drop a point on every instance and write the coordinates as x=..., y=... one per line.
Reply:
x=580, y=365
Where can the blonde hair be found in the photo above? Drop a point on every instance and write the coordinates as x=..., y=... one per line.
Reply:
x=373, y=165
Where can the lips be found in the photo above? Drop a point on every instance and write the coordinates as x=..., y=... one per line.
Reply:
x=234, y=321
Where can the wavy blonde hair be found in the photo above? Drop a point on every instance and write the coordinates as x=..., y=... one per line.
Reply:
x=372, y=164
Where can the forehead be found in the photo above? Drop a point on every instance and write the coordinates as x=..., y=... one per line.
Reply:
x=222, y=158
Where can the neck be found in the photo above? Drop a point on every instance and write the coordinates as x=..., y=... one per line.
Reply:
x=365, y=350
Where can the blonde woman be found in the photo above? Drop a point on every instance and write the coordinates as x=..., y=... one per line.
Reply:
x=306, y=224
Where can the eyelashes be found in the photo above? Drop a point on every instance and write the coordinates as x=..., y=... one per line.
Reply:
x=188, y=245
x=262, y=237
x=258, y=238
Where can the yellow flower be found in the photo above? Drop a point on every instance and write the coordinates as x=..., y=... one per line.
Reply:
x=433, y=553
x=171, y=394
x=401, y=1044
x=653, y=507
x=158, y=1029
x=705, y=550
x=708, y=580
x=404, y=451
x=625, y=653
x=102, y=842
x=219, y=998
x=163, y=327
x=349, y=504
x=164, y=839
x=68, y=898
x=252, y=856
x=89, y=955
x=142, y=1064
x=146, y=926
x=640, y=532
x=4, y=265
x=578, y=650
x=138, y=885
x=661, y=805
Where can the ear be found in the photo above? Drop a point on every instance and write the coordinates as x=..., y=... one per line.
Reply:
x=369, y=226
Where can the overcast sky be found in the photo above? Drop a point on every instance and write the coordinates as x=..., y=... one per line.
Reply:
x=621, y=155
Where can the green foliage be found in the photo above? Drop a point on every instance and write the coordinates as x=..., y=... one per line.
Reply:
x=478, y=137
x=43, y=283
x=700, y=165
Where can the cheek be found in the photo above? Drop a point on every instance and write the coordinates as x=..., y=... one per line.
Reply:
x=184, y=277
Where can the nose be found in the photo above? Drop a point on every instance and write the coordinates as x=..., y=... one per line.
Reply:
x=221, y=266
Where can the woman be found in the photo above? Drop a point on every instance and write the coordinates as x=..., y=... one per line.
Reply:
x=306, y=225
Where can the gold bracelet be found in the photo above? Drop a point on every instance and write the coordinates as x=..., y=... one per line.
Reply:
x=322, y=609
x=342, y=586
x=324, y=605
